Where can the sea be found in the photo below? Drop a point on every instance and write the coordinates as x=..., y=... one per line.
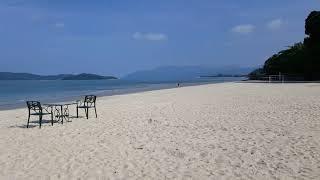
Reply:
x=15, y=93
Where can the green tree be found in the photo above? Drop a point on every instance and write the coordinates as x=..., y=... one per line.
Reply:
x=312, y=43
x=312, y=27
x=287, y=62
x=301, y=59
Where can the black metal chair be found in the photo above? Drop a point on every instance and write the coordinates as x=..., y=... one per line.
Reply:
x=86, y=104
x=35, y=109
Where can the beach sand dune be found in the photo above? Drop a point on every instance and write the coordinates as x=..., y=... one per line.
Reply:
x=217, y=131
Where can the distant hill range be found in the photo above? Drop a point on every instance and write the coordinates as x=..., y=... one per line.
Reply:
x=28, y=76
x=170, y=73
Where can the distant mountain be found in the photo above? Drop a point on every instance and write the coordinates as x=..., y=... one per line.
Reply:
x=28, y=76
x=186, y=73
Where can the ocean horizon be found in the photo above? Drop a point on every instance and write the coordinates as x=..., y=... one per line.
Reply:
x=14, y=93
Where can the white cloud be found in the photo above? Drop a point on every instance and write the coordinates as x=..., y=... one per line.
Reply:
x=243, y=29
x=150, y=36
x=59, y=25
x=275, y=24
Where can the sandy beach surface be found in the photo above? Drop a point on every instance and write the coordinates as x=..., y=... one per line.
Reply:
x=217, y=131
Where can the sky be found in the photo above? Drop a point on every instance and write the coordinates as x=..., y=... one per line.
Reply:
x=116, y=37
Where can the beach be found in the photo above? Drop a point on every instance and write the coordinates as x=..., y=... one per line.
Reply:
x=214, y=131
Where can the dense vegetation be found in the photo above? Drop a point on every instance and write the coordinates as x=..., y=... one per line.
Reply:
x=302, y=60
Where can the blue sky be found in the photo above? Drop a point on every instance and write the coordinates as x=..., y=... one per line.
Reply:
x=116, y=37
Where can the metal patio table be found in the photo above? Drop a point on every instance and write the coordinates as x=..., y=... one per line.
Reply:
x=61, y=110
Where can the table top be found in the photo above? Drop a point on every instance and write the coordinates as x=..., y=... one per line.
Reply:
x=60, y=104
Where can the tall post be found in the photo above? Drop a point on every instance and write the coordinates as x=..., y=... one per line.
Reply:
x=279, y=76
x=269, y=79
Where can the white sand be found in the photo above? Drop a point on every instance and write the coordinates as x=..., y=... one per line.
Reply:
x=219, y=131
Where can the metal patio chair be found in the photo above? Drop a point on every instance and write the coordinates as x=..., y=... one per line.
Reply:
x=86, y=104
x=35, y=109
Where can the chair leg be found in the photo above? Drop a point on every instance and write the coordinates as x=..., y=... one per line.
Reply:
x=87, y=113
x=40, y=120
x=51, y=118
x=95, y=110
x=28, y=121
x=77, y=112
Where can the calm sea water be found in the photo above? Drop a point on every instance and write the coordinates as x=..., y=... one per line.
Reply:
x=15, y=93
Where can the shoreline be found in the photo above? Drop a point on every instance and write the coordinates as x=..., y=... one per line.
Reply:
x=104, y=93
x=277, y=82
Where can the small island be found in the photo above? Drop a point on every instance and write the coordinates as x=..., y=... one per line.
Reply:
x=28, y=76
x=85, y=76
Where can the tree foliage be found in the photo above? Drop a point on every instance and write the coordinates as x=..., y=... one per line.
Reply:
x=287, y=61
x=312, y=25
x=301, y=59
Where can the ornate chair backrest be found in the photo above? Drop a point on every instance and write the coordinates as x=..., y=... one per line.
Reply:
x=90, y=100
x=34, y=106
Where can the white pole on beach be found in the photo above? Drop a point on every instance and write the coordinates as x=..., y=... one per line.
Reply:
x=279, y=77
x=269, y=79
